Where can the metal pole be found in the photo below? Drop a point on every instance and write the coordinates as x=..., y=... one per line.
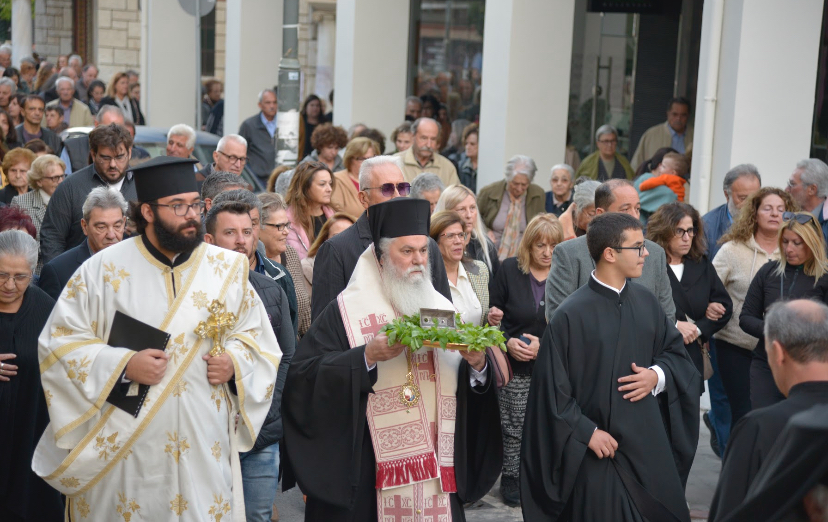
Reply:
x=198, y=64
x=288, y=93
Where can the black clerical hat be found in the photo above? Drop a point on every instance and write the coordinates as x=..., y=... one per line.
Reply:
x=796, y=463
x=399, y=217
x=164, y=176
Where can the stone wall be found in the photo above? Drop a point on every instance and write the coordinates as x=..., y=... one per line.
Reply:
x=53, y=28
x=118, y=44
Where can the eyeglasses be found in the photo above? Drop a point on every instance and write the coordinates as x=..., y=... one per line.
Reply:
x=278, y=226
x=19, y=279
x=691, y=232
x=801, y=217
x=181, y=209
x=108, y=159
x=54, y=178
x=607, y=142
x=456, y=235
x=234, y=159
x=641, y=249
x=403, y=189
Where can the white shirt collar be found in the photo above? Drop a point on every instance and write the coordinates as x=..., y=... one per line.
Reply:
x=608, y=286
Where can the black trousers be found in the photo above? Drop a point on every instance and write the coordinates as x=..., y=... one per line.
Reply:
x=734, y=368
x=763, y=390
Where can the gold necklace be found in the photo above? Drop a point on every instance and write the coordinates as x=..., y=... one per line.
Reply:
x=409, y=392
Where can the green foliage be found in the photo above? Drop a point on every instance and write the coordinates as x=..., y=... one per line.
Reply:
x=5, y=9
x=407, y=331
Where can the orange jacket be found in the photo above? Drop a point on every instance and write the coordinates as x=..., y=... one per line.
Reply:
x=673, y=182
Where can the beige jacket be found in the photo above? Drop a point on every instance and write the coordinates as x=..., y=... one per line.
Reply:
x=344, y=197
x=737, y=263
x=79, y=117
x=437, y=165
x=655, y=138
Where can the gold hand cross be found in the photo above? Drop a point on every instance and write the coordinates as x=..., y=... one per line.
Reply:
x=216, y=326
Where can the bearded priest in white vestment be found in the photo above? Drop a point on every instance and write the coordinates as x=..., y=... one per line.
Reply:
x=178, y=459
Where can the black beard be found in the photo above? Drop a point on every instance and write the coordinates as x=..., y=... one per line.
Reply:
x=173, y=240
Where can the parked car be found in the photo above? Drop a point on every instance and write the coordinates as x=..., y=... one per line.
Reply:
x=154, y=141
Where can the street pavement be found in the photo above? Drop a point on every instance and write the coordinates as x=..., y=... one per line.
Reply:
x=700, y=488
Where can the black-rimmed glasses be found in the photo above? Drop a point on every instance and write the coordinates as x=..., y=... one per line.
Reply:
x=278, y=226
x=234, y=159
x=387, y=189
x=691, y=232
x=641, y=249
x=181, y=209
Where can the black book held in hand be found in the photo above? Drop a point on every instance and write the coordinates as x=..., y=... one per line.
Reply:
x=128, y=332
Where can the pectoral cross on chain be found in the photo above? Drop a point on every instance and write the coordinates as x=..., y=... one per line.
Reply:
x=216, y=326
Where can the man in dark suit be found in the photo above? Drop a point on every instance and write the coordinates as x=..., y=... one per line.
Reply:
x=260, y=132
x=76, y=150
x=103, y=223
x=380, y=179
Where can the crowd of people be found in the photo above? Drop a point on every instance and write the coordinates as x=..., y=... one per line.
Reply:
x=616, y=298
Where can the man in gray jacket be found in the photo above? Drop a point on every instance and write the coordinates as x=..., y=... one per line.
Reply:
x=260, y=132
x=572, y=265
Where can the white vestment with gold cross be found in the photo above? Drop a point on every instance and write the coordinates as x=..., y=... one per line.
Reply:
x=178, y=460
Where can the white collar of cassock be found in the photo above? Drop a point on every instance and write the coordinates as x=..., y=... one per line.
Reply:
x=617, y=290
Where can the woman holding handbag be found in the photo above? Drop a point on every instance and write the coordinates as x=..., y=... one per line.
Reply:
x=800, y=273
x=518, y=290
x=703, y=306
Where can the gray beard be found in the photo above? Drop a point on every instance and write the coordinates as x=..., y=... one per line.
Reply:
x=731, y=207
x=406, y=293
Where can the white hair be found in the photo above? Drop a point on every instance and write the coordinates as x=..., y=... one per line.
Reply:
x=564, y=166
x=605, y=129
x=8, y=81
x=182, y=129
x=5, y=49
x=426, y=182
x=583, y=195
x=520, y=164
x=19, y=244
x=231, y=137
x=103, y=198
x=262, y=93
x=64, y=79
x=406, y=294
x=75, y=58
x=814, y=172
x=369, y=165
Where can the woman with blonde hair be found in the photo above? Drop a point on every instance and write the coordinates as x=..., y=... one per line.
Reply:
x=345, y=197
x=308, y=199
x=751, y=242
x=462, y=200
x=800, y=273
x=517, y=295
x=117, y=94
x=334, y=226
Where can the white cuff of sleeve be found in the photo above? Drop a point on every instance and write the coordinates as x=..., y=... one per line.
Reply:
x=124, y=380
x=366, y=363
x=479, y=378
x=661, y=380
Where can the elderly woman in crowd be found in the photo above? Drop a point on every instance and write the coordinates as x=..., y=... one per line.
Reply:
x=467, y=164
x=117, y=93
x=402, y=137
x=275, y=230
x=507, y=206
x=606, y=163
x=751, y=242
x=523, y=322
x=24, y=310
x=703, y=306
x=577, y=216
x=427, y=186
x=46, y=174
x=16, y=165
x=337, y=224
x=326, y=141
x=800, y=273
x=479, y=246
x=468, y=278
x=560, y=197
x=308, y=199
x=345, y=196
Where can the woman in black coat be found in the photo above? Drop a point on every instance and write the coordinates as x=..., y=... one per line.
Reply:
x=24, y=310
x=703, y=306
x=801, y=273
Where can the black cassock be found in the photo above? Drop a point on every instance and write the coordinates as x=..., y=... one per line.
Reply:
x=592, y=341
x=751, y=442
x=327, y=441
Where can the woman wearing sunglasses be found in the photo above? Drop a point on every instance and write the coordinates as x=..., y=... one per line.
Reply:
x=751, y=242
x=703, y=306
x=801, y=272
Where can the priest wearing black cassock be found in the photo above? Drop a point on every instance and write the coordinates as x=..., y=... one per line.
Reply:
x=596, y=445
x=361, y=451
x=796, y=339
